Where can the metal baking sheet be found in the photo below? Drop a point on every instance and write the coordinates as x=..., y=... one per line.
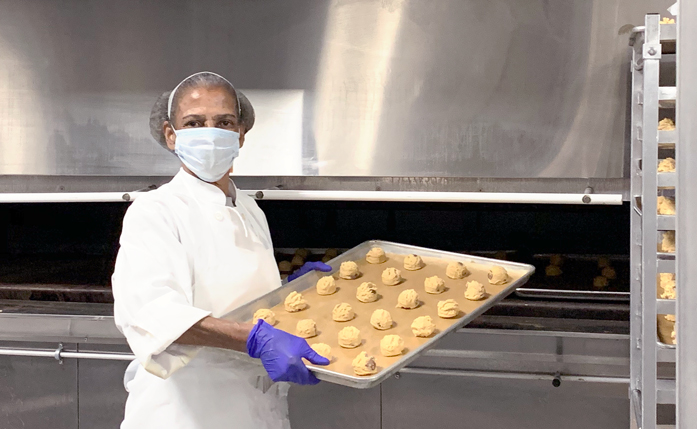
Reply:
x=576, y=281
x=320, y=307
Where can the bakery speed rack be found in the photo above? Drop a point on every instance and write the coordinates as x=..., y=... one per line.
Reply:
x=653, y=98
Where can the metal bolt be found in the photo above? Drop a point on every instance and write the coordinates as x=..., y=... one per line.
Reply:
x=397, y=376
x=259, y=195
x=586, y=199
x=126, y=197
x=556, y=382
x=652, y=51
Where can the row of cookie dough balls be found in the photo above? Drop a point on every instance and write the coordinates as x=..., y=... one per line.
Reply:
x=392, y=276
x=368, y=292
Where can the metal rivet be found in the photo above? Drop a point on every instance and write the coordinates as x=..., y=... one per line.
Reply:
x=556, y=381
x=652, y=51
x=259, y=195
x=586, y=199
x=396, y=376
x=126, y=197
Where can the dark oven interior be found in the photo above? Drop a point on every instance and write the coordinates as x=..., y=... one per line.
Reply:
x=66, y=252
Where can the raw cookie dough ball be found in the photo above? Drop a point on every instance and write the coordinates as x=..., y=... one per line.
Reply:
x=326, y=285
x=557, y=260
x=475, y=291
x=413, y=262
x=666, y=277
x=603, y=262
x=448, y=309
x=434, y=285
x=323, y=350
x=306, y=328
x=266, y=315
x=364, y=364
x=349, y=337
x=295, y=302
x=343, y=312
x=376, y=256
x=666, y=206
x=367, y=292
x=666, y=165
x=349, y=270
x=600, y=282
x=553, y=271
x=391, y=345
x=609, y=273
x=381, y=319
x=423, y=326
x=501, y=255
x=303, y=253
x=285, y=267
x=391, y=276
x=331, y=252
x=297, y=261
x=498, y=275
x=408, y=299
x=456, y=270
x=668, y=242
x=666, y=124
x=668, y=289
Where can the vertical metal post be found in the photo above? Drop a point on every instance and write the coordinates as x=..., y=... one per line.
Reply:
x=686, y=202
x=651, y=56
x=635, y=228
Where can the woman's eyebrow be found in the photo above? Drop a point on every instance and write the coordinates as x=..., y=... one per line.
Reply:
x=196, y=117
x=225, y=116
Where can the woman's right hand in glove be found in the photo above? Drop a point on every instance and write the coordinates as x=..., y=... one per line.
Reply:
x=281, y=354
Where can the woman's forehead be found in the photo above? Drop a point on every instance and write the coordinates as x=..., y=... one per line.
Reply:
x=199, y=100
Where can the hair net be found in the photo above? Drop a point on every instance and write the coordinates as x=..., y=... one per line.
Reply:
x=167, y=100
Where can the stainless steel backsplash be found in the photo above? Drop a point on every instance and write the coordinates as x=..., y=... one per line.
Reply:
x=451, y=88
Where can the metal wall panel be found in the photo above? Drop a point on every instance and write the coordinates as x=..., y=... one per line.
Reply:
x=474, y=88
x=330, y=406
x=417, y=401
x=101, y=392
x=38, y=392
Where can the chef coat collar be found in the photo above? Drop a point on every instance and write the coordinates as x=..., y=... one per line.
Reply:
x=204, y=191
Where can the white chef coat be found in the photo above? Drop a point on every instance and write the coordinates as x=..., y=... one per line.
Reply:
x=187, y=252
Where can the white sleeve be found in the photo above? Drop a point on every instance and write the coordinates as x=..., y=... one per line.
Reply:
x=152, y=285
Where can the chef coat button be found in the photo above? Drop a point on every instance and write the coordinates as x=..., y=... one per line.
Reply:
x=218, y=216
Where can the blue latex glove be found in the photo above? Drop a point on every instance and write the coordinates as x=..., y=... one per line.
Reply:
x=281, y=353
x=307, y=267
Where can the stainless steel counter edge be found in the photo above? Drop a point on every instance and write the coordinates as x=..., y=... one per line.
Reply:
x=57, y=184
x=493, y=353
x=60, y=328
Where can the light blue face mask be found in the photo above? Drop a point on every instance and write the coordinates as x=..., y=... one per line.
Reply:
x=207, y=152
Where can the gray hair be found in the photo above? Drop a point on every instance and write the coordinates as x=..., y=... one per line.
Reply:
x=158, y=114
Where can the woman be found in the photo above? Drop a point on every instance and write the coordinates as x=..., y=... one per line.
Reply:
x=192, y=251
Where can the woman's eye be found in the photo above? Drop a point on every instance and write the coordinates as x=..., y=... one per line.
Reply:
x=191, y=124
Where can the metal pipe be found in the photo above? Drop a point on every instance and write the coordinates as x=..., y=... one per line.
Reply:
x=59, y=354
x=69, y=197
x=686, y=204
x=513, y=375
x=443, y=197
